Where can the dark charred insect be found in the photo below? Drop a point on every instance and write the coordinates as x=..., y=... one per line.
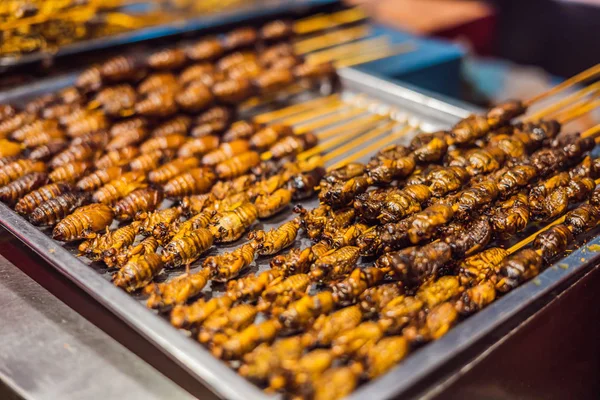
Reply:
x=177, y=291
x=511, y=216
x=70, y=172
x=295, y=144
x=205, y=50
x=148, y=161
x=231, y=225
x=198, y=146
x=335, y=265
x=90, y=79
x=239, y=130
x=88, y=123
x=217, y=113
x=117, y=100
x=518, y=268
x=515, y=177
x=51, y=211
x=98, y=178
x=240, y=38
x=157, y=104
x=79, y=152
x=304, y=185
x=16, y=169
x=194, y=181
x=43, y=137
x=128, y=138
x=275, y=240
x=121, y=68
x=303, y=312
x=187, y=248
x=442, y=180
x=472, y=238
x=424, y=223
x=9, y=148
x=196, y=313
x=583, y=218
x=276, y=30
x=224, y=323
x=47, y=151
x=171, y=142
x=209, y=128
x=237, y=165
x=470, y=129
x=120, y=258
x=171, y=169
x=553, y=241
x=39, y=103
x=314, y=72
x=83, y=222
x=342, y=193
x=159, y=82
x=268, y=205
x=18, y=188
x=480, y=267
x=35, y=198
x=194, y=97
x=120, y=187
x=109, y=243
x=232, y=91
x=248, y=339
x=138, y=272
x=327, y=327
x=178, y=125
x=469, y=200
x=227, y=266
x=140, y=200
x=268, y=136
x=11, y=124
x=169, y=59
x=273, y=80
x=225, y=152
x=252, y=285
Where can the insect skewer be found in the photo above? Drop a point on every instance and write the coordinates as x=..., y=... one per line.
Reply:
x=577, y=111
x=321, y=22
x=581, y=77
x=557, y=106
x=347, y=49
x=331, y=39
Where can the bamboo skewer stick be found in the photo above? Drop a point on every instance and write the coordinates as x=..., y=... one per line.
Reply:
x=330, y=120
x=313, y=113
x=295, y=109
x=357, y=123
x=592, y=89
x=331, y=39
x=578, y=111
x=321, y=22
x=376, y=55
x=322, y=56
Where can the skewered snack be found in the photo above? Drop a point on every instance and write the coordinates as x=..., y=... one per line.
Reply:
x=170, y=142
x=303, y=312
x=327, y=327
x=120, y=258
x=138, y=272
x=140, y=200
x=83, y=223
x=225, y=152
x=15, y=190
x=98, y=178
x=171, y=169
x=275, y=240
x=268, y=205
x=237, y=165
x=187, y=248
x=46, y=151
x=348, y=290
x=227, y=266
x=53, y=210
x=231, y=225
x=226, y=322
x=14, y=170
x=194, y=181
x=109, y=243
x=70, y=172
x=248, y=339
x=334, y=265
x=198, y=146
x=251, y=286
x=290, y=145
x=176, y=291
x=374, y=299
x=35, y=198
x=183, y=316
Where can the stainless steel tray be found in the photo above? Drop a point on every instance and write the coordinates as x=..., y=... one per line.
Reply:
x=433, y=113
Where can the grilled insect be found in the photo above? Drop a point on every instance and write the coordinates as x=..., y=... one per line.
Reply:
x=140, y=200
x=327, y=327
x=275, y=240
x=11, y=124
x=195, y=97
x=224, y=323
x=225, y=152
x=129, y=137
x=205, y=50
x=237, y=165
x=213, y=128
x=162, y=143
x=18, y=188
x=47, y=151
x=476, y=298
x=217, y=113
x=70, y=172
x=177, y=291
x=338, y=382
x=138, y=272
x=398, y=313
x=158, y=82
x=335, y=264
x=8, y=160
x=252, y=285
x=195, y=314
x=109, y=243
x=374, y=299
x=231, y=225
x=194, y=181
x=121, y=68
x=224, y=189
x=98, y=178
x=269, y=205
x=384, y=355
x=304, y=311
x=227, y=266
x=146, y=246
x=239, y=130
x=248, y=339
x=304, y=185
x=198, y=146
x=41, y=138
x=200, y=220
x=171, y=169
x=313, y=72
x=79, y=152
x=517, y=268
x=51, y=211
x=232, y=91
x=240, y=38
x=348, y=290
x=120, y=187
x=168, y=59
x=291, y=286
x=83, y=223
x=178, y=125
x=187, y=248
x=19, y=168
x=295, y=144
x=148, y=161
x=35, y=198
x=117, y=100
x=87, y=124
x=157, y=223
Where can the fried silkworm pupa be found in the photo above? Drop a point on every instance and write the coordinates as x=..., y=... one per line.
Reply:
x=11, y=124
x=43, y=137
x=157, y=221
x=298, y=283
x=476, y=298
x=33, y=127
x=157, y=104
x=314, y=72
x=481, y=266
x=217, y=113
x=70, y=172
x=140, y=200
x=336, y=264
x=178, y=125
x=198, y=146
x=183, y=317
x=171, y=169
x=122, y=68
x=224, y=323
x=128, y=138
x=39, y=103
x=8, y=160
x=348, y=290
x=437, y=291
x=46, y=151
x=18, y=188
x=177, y=291
x=90, y=79
x=83, y=223
x=158, y=82
x=275, y=240
x=88, y=123
x=231, y=225
x=276, y=30
x=109, y=243
x=213, y=128
x=116, y=189
x=96, y=139
x=303, y=312
x=114, y=259
x=227, y=266
x=247, y=69
x=57, y=111
x=148, y=161
x=17, y=169
x=194, y=97
x=384, y=355
x=168, y=59
x=240, y=38
x=138, y=272
x=327, y=327
x=194, y=181
x=205, y=50
x=6, y=111
x=248, y=339
x=187, y=248
x=237, y=165
x=225, y=152
x=98, y=178
x=232, y=91
x=355, y=341
x=375, y=298
x=117, y=100
x=268, y=136
x=201, y=220
x=269, y=205
x=294, y=144
x=9, y=148
x=163, y=143
x=123, y=127
x=518, y=268
x=51, y=211
x=78, y=152
x=273, y=80
x=239, y=130
x=252, y=285
x=35, y=198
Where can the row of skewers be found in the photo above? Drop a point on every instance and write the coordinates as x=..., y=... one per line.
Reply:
x=362, y=321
